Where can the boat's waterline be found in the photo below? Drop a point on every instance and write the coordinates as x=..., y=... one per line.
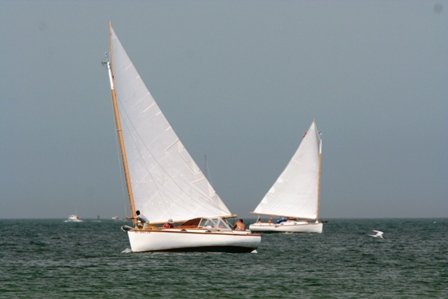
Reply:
x=192, y=240
x=290, y=226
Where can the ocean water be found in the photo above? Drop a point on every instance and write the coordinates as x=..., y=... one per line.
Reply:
x=53, y=259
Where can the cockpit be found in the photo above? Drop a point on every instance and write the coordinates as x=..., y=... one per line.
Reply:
x=207, y=223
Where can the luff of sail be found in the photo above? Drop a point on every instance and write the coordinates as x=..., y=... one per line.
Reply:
x=165, y=180
x=296, y=191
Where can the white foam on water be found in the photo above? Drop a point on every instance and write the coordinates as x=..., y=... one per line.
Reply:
x=127, y=250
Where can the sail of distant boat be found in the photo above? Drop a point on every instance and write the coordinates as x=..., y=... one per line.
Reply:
x=296, y=192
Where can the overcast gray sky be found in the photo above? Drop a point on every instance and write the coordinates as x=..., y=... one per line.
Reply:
x=240, y=81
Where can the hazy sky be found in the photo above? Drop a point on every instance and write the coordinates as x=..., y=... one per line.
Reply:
x=240, y=81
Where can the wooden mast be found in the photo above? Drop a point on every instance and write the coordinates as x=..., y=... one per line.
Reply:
x=119, y=129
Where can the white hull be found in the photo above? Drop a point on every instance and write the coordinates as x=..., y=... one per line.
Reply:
x=287, y=226
x=73, y=218
x=192, y=240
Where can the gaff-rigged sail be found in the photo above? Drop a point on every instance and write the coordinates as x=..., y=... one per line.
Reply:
x=296, y=191
x=166, y=182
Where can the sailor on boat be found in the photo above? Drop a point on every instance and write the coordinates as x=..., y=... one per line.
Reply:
x=141, y=219
x=239, y=225
x=169, y=224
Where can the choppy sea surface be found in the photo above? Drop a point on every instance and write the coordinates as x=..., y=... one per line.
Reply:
x=53, y=259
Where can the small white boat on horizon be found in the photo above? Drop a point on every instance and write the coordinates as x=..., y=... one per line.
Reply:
x=294, y=198
x=73, y=218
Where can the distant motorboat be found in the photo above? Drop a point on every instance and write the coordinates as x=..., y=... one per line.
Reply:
x=73, y=218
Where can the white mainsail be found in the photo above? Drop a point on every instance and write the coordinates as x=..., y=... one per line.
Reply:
x=165, y=180
x=296, y=191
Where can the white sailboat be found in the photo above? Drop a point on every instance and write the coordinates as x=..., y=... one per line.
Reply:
x=163, y=181
x=295, y=195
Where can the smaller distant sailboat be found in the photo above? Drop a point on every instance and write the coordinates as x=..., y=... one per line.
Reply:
x=73, y=218
x=294, y=197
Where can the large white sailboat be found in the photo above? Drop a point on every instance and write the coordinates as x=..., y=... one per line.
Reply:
x=294, y=197
x=163, y=181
